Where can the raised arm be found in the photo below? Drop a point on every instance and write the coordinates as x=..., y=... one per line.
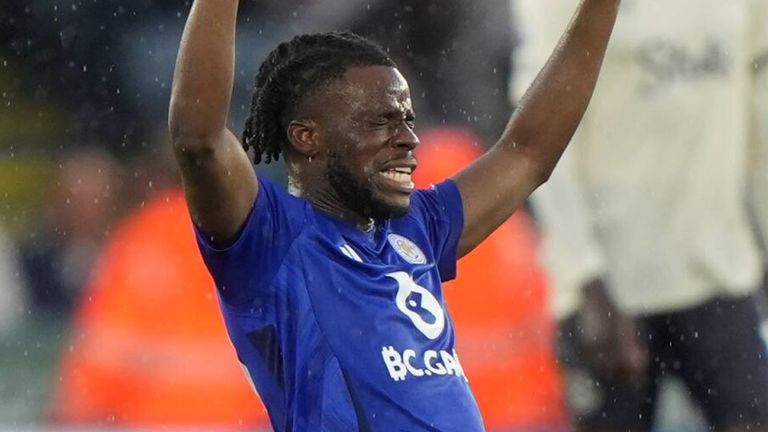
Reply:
x=219, y=180
x=494, y=186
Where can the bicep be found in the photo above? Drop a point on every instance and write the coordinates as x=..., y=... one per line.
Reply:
x=219, y=182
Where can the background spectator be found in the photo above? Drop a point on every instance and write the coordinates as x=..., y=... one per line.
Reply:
x=60, y=253
x=646, y=220
x=13, y=295
x=148, y=347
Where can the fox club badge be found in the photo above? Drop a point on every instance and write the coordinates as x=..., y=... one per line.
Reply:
x=407, y=249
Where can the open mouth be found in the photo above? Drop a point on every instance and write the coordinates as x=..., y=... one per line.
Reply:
x=402, y=176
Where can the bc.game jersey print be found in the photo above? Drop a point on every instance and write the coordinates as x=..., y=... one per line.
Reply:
x=341, y=329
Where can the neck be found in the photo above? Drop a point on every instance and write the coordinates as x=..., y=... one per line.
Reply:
x=323, y=198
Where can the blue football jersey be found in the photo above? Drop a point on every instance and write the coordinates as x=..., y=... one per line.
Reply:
x=345, y=330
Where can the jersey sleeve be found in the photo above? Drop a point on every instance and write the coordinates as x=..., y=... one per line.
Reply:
x=441, y=212
x=245, y=270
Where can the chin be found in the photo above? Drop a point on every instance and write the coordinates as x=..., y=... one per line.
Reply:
x=367, y=198
x=388, y=209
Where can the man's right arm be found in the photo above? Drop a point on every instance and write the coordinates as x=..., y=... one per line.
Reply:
x=219, y=181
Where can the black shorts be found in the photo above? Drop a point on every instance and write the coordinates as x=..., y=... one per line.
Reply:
x=716, y=350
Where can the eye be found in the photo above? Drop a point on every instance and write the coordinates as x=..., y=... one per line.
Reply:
x=410, y=121
x=379, y=122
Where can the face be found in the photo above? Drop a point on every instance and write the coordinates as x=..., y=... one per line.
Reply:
x=368, y=137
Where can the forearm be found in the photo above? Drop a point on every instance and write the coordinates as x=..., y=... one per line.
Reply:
x=551, y=109
x=202, y=81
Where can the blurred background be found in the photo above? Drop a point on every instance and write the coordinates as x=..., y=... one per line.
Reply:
x=108, y=319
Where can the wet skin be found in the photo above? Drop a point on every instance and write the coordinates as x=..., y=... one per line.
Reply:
x=360, y=139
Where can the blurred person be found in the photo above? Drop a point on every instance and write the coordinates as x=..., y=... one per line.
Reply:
x=505, y=333
x=332, y=294
x=646, y=225
x=13, y=290
x=58, y=257
x=438, y=45
x=148, y=348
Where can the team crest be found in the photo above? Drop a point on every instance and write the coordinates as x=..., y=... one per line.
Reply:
x=407, y=249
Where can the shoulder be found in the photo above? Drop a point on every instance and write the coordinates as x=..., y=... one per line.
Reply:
x=273, y=193
x=440, y=200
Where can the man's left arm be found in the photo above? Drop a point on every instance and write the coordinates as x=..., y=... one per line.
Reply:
x=495, y=185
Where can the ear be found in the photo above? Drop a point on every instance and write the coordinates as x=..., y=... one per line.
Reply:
x=303, y=136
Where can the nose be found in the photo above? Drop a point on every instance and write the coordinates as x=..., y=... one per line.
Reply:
x=406, y=137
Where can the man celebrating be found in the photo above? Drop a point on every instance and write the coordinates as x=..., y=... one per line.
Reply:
x=332, y=293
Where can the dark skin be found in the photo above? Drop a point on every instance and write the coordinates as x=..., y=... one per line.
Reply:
x=220, y=182
x=610, y=340
x=369, y=130
x=610, y=337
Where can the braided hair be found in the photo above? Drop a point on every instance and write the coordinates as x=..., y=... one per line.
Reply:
x=290, y=73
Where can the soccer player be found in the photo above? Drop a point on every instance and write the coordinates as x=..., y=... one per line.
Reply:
x=331, y=293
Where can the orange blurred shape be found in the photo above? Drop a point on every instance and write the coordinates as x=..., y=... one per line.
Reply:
x=149, y=346
x=499, y=307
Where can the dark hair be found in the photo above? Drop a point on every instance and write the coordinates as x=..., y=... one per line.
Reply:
x=290, y=73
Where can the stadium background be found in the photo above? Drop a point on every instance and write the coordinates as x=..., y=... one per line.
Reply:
x=87, y=207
